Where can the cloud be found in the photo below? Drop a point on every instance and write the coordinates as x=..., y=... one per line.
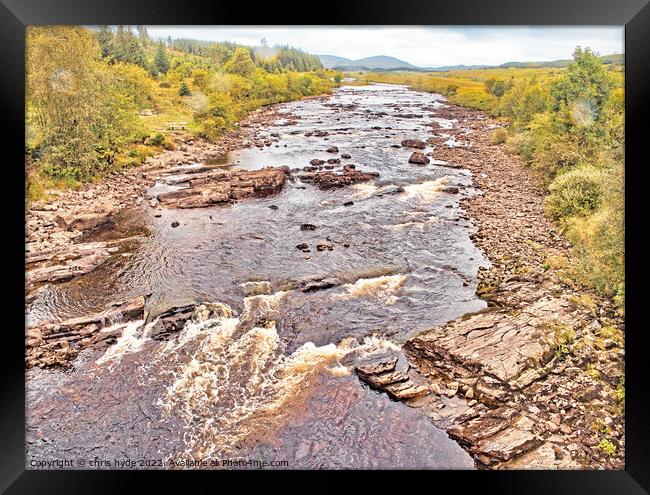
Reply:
x=419, y=45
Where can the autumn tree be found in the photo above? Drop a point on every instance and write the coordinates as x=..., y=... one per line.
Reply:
x=585, y=82
x=241, y=63
x=81, y=109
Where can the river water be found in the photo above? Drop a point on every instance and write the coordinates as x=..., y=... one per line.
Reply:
x=266, y=372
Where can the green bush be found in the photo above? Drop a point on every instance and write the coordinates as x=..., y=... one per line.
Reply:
x=156, y=140
x=575, y=193
x=184, y=90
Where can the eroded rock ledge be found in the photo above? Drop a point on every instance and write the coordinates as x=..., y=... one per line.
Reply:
x=225, y=186
x=57, y=344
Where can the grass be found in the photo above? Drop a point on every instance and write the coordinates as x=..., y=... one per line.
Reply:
x=499, y=136
x=563, y=337
x=584, y=301
x=37, y=186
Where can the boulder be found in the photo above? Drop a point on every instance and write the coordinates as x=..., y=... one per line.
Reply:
x=418, y=158
x=331, y=180
x=414, y=143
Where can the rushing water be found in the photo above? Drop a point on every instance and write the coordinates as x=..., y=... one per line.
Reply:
x=265, y=370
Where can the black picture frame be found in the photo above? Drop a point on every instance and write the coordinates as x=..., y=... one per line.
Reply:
x=15, y=15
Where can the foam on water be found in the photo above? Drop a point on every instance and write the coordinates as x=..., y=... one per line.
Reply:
x=239, y=381
x=426, y=191
x=382, y=288
x=133, y=337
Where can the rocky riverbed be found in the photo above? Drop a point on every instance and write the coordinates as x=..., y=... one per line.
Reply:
x=360, y=280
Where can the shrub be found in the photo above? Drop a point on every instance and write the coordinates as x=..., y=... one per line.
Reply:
x=451, y=89
x=575, y=193
x=499, y=136
x=184, y=90
x=607, y=447
x=156, y=140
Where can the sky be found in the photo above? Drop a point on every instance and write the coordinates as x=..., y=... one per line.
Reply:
x=420, y=45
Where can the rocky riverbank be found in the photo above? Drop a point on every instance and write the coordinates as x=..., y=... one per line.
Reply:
x=535, y=380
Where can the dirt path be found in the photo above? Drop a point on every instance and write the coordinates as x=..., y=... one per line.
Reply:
x=533, y=381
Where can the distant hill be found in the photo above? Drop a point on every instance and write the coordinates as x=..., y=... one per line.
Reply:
x=385, y=63
x=615, y=58
x=379, y=62
x=332, y=61
x=443, y=68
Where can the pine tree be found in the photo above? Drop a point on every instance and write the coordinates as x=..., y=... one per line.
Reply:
x=126, y=47
x=184, y=90
x=161, y=60
x=105, y=38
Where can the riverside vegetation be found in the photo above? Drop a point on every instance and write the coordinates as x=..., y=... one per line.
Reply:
x=98, y=101
x=568, y=125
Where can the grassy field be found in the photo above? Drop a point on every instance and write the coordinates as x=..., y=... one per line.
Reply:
x=467, y=87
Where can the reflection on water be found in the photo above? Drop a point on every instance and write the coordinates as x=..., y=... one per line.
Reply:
x=401, y=261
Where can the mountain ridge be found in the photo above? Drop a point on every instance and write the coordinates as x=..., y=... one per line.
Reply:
x=388, y=63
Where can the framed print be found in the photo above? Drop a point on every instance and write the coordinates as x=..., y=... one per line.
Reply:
x=396, y=239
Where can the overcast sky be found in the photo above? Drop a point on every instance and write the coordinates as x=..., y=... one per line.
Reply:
x=419, y=45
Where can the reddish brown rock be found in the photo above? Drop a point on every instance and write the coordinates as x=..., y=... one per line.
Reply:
x=223, y=187
x=414, y=143
x=56, y=344
x=331, y=180
x=418, y=158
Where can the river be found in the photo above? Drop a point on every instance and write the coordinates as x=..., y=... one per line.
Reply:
x=267, y=373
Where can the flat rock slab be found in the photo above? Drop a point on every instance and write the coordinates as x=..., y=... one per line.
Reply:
x=64, y=263
x=498, y=344
x=226, y=186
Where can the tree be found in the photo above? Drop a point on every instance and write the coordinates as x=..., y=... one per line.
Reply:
x=126, y=47
x=585, y=84
x=61, y=90
x=184, y=90
x=82, y=108
x=105, y=38
x=241, y=63
x=495, y=87
x=161, y=60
